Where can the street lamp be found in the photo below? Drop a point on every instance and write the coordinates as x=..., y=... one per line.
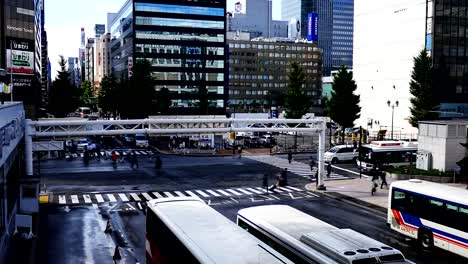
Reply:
x=392, y=105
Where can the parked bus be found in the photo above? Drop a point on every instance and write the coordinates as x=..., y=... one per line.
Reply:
x=434, y=214
x=186, y=230
x=306, y=239
x=387, y=154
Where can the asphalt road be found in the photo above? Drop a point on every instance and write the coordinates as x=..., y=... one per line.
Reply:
x=75, y=233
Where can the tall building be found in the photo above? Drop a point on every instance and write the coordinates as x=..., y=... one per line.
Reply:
x=335, y=28
x=44, y=59
x=110, y=17
x=74, y=69
x=258, y=24
x=102, y=66
x=99, y=30
x=184, y=41
x=89, y=60
x=258, y=71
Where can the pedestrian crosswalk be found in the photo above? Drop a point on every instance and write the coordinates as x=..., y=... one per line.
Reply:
x=295, y=167
x=108, y=153
x=75, y=199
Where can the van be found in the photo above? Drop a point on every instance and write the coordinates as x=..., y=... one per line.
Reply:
x=141, y=141
x=341, y=153
x=84, y=111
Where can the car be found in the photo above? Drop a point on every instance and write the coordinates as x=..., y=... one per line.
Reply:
x=341, y=153
x=141, y=141
x=82, y=144
x=252, y=141
x=267, y=140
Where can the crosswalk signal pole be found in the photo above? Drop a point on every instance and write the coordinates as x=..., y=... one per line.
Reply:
x=321, y=151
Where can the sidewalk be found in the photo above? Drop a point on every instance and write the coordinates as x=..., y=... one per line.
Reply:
x=358, y=191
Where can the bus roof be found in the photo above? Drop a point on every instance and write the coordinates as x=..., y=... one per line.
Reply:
x=436, y=190
x=211, y=237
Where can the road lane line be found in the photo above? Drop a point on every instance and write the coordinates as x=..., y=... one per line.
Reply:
x=123, y=197
x=87, y=198
x=62, y=199
x=223, y=192
x=234, y=192
x=244, y=191
x=180, y=194
x=168, y=194
x=111, y=197
x=158, y=195
x=253, y=190
x=74, y=199
x=213, y=193
x=312, y=193
x=284, y=189
x=191, y=194
x=202, y=193
x=99, y=198
x=147, y=196
x=350, y=171
x=292, y=188
x=135, y=197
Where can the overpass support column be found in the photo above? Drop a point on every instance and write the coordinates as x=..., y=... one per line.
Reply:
x=28, y=148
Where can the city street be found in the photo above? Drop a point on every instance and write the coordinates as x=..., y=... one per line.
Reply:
x=83, y=199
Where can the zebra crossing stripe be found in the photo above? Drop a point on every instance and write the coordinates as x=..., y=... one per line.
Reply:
x=123, y=197
x=293, y=188
x=180, y=194
x=95, y=206
x=150, y=152
x=263, y=189
x=234, y=192
x=102, y=153
x=213, y=193
x=191, y=193
x=82, y=155
x=75, y=155
x=253, y=190
x=158, y=195
x=111, y=197
x=168, y=194
x=99, y=198
x=147, y=197
x=135, y=197
x=202, y=193
x=74, y=199
x=244, y=191
x=62, y=199
x=284, y=189
x=223, y=192
x=87, y=198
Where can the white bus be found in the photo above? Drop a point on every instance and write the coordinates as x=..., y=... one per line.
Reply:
x=387, y=154
x=434, y=214
x=186, y=230
x=306, y=239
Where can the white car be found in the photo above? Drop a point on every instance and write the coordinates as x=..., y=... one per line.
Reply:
x=141, y=141
x=341, y=153
x=82, y=144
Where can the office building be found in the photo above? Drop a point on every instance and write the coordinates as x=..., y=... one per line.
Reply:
x=89, y=60
x=102, y=66
x=258, y=71
x=44, y=60
x=74, y=68
x=259, y=24
x=99, y=30
x=184, y=41
x=110, y=18
x=335, y=28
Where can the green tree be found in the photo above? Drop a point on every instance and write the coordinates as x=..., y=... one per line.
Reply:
x=297, y=102
x=62, y=93
x=163, y=98
x=86, y=93
x=424, y=101
x=107, y=96
x=343, y=106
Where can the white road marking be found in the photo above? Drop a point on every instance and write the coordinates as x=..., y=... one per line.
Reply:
x=123, y=197
x=253, y=190
x=87, y=198
x=62, y=199
x=102, y=153
x=180, y=194
x=147, y=196
x=213, y=193
x=111, y=197
x=313, y=194
x=202, y=193
x=191, y=193
x=284, y=189
x=95, y=206
x=158, y=195
x=168, y=194
x=130, y=205
x=74, y=199
x=223, y=192
x=135, y=197
x=234, y=192
x=261, y=189
x=292, y=188
x=99, y=198
x=244, y=191
x=82, y=155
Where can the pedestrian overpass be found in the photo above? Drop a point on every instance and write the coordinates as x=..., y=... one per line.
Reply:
x=35, y=131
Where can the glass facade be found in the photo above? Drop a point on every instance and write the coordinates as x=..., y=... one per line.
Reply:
x=342, y=37
x=184, y=41
x=121, y=46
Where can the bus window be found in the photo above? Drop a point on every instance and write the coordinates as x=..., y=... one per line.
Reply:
x=463, y=214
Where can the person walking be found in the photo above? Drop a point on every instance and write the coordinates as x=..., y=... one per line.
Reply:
x=86, y=157
x=133, y=159
x=374, y=180
x=265, y=181
x=240, y=152
x=114, y=158
x=284, y=177
x=329, y=169
x=383, y=179
x=289, y=157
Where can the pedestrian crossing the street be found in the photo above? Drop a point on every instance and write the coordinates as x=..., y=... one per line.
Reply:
x=295, y=167
x=76, y=199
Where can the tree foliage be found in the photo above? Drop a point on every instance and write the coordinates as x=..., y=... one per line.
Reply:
x=343, y=105
x=62, y=94
x=297, y=102
x=107, y=96
x=86, y=93
x=424, y=98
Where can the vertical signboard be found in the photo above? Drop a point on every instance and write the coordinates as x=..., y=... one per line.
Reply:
x=130, y=67
x=20, y=56
x=312, y=27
